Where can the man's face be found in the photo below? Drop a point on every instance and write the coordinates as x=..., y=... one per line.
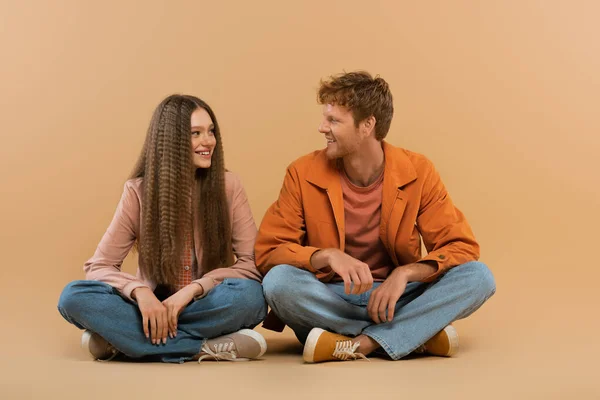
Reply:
x=342, y=135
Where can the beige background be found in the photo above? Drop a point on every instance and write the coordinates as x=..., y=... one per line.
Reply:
x=502, y=95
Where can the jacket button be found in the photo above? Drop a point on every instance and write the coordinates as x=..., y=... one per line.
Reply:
x=441, y=256
x=187, y=267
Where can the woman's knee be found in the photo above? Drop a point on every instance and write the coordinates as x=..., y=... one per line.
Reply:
x=248, y=298
x=74, y=294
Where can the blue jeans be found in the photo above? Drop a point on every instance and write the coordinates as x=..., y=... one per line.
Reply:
x=233, y=305
x=303, y=302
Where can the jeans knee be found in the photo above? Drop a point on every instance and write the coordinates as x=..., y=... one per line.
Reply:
x=481, y=279
x=68, y=297
x=73, y=295
x=254, y=300
x=278, y=281
x=251, y=301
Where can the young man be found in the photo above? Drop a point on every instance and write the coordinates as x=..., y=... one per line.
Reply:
x=341, y=247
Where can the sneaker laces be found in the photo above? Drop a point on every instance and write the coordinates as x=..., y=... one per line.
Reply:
x=345, y=349
x=220, y=351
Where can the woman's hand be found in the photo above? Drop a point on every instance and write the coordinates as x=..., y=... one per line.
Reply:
x=177, y=302
x=154, y=315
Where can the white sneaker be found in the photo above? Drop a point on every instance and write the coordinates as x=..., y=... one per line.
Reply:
x=242, y=345
x=97, y=347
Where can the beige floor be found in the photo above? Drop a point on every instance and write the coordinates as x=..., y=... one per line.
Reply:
x=514, y=346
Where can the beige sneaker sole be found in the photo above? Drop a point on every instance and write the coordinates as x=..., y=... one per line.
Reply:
x=256, y=336
x=85, y=343
x=453, y=339
x=311, y=343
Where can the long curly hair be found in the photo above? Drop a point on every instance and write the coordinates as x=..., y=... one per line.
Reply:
x=177, y=196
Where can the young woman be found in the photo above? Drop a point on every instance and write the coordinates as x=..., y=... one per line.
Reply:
x=197, y=292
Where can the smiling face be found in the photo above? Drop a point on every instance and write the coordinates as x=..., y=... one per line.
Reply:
x=203, y=138
x=343, y=136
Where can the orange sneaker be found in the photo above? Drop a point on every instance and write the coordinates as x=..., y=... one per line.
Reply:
x=326, y=346
x=444, y=343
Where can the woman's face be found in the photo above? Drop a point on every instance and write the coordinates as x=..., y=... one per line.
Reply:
x=203, y=138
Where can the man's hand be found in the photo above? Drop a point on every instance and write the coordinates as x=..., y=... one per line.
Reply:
x=351, y=270
x=177, y=302
x=385, y=297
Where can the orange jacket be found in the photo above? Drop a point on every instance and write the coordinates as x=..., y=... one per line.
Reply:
x=309, y=215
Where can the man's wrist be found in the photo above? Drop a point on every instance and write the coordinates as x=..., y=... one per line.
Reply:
x=415, y=272
x=321, y=258
x=402, y=273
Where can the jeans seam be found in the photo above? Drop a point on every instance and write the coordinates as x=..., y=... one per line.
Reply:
x=478, y=305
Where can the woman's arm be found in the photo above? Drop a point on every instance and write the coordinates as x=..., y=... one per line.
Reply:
x=105, y=265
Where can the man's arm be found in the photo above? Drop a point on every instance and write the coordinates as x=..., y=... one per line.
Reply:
x=282, y=231
x=417, y=272
x=446, y=233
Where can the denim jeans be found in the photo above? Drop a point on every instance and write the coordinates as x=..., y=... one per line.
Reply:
x=303, y=302
x=233, y=305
